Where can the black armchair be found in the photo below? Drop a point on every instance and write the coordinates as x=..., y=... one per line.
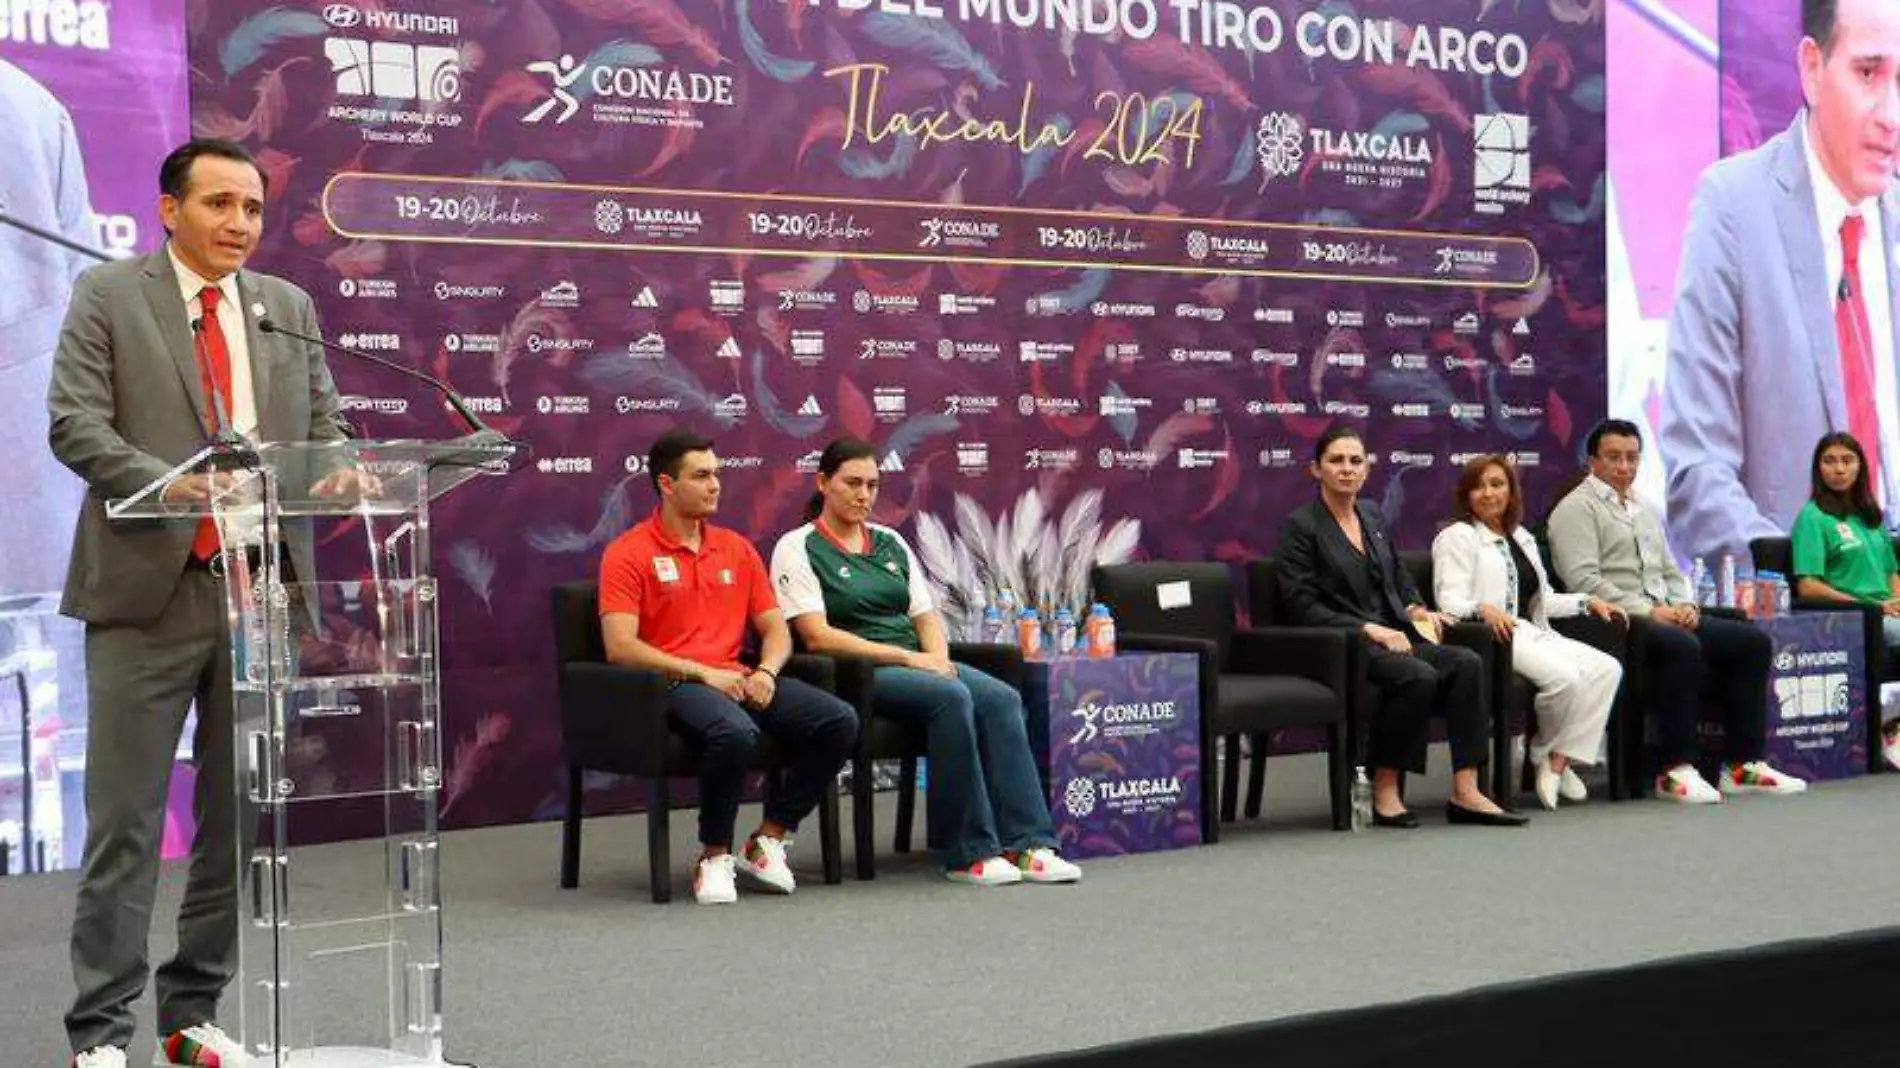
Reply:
x=1777, y=554
x=613, y=719
x=882, y=738
x=1253, y=681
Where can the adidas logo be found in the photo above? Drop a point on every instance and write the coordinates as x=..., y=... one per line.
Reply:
x=892, y=463
x=1521, y=328
x=645, y=298
x=810, y=407
x=730, y=350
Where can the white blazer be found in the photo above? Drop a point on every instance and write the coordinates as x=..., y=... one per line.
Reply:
x=1472, y=565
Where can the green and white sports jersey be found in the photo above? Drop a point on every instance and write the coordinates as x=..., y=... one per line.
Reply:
x=872, y=594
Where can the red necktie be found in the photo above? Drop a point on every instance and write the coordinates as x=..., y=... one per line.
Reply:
x=214, y=374
x=1857, y=351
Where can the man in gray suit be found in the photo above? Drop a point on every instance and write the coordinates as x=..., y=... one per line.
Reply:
x=1784, y=332
x=142, y=341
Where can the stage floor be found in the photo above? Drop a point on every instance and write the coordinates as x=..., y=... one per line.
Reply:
x=1283, y=917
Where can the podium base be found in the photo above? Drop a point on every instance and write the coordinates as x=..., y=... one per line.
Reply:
x=351, y=1057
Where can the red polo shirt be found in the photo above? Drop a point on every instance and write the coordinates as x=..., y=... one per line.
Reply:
x=693, y=605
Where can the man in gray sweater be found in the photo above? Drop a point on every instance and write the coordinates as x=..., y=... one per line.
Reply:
x=1605, y=542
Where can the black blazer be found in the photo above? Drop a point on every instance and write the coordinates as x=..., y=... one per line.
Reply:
x=1323, y=581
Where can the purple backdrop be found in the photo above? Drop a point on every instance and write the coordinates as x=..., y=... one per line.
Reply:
x=1761, y=83
x=1113, y=333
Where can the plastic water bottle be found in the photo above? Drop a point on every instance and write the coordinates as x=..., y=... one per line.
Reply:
x=1101, y=632
x=994, y=628
x=1361, y=799
x=1725, y=582
x=1702, y=583
x=1029, y=634
x=1745, y=591
x=1065, y=632
x=1784, y=596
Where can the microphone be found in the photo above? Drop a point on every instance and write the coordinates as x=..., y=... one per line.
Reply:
x=234, y=452
x=480, y=433
x=1844, y=291
x=9, y=219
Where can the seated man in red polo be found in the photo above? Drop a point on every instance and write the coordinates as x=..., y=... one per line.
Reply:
x=675, y=595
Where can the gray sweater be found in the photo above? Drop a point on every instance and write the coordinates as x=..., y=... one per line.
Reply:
x=1599, y=548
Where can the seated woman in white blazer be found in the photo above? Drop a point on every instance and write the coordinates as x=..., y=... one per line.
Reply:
x=1486, y=567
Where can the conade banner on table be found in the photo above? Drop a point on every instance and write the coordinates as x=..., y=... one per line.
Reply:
x=1091, y=275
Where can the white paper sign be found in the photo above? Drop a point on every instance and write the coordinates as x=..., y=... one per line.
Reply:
x=1173, y=595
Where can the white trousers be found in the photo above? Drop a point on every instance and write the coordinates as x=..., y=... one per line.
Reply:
x=1576, y=685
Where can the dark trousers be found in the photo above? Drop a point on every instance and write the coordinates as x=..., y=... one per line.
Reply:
x=818, y=729
x=1723, y=659
x=1431, y=680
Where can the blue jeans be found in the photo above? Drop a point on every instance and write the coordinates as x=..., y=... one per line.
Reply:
x=985, y=795
x=818, y=729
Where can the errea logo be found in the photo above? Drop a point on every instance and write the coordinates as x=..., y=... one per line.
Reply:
x=58, y=23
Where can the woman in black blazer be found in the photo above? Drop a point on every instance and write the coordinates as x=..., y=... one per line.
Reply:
x=1337, y=568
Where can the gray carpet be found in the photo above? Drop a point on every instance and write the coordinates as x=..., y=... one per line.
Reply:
x=1283, y=917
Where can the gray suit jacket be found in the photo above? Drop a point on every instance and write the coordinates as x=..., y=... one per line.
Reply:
x=124, y=406
x=1754, y=372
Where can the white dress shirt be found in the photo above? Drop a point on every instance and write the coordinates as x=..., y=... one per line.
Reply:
x=243, y=399
x=1831, y=209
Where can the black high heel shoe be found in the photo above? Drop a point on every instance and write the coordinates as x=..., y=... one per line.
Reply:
x=1456, y=813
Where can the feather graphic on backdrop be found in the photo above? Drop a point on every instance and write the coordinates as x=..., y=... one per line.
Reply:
x=472, y=756
x=1551, y=58
x=1515, y=428
x=1557, y=417
x=1438, y=182
x=665, y=377
x=1192, y=64
x=658, y=21
x=932, y=39
x=1530, y=303
x=1566, y=210
x=885, y=285
x=358, y=259
x=1576, y=12
x=249, y=40
x=854, y=412
x=533, y=321
x=275, y=166
x=781, y=68
x=1086, y=290
x=808, y=275
x=917, y=429
x=978, y=279
x=1577, y=314
x=1305, y=426
x=521, y=170
x=827, y=125
x=1244, y=156
x=1037, y=161
x=1122, y=418
x=797, y=426
x=1176, y=429
x=862, y=164
x=1226, y=477
x=1410, y=388
x=616, y=515
x=1420, y=89
x=678, y=137
x=475, y=566
x=1392, y=501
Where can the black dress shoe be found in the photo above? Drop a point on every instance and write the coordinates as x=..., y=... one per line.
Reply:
x=1456, y=813
x=1406, y=820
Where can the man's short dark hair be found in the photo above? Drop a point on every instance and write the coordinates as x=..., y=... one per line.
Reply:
x=1621, y=428
x=1818, y=18
x=174, y=175
x=668, y=453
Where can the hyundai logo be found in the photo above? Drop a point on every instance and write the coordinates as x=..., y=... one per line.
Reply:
x=342, y=16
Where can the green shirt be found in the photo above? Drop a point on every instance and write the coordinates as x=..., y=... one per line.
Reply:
x=1844, y=553
x=873, y=594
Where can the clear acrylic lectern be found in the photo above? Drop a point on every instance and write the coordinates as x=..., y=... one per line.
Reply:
x=336, y=707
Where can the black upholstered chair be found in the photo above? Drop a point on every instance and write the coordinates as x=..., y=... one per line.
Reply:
x=1777, y=554
x=883, y=738
x=1253, y=681
x=613, y=719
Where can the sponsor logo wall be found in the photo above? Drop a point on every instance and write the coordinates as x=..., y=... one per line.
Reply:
x=1117, y=278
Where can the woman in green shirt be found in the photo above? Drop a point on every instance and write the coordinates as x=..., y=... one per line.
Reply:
x=1841, y=548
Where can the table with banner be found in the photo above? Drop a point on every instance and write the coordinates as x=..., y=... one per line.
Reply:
x=1816, y=725
x=1119, y=738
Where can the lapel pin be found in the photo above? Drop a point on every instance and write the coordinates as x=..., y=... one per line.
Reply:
x=257, y=310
